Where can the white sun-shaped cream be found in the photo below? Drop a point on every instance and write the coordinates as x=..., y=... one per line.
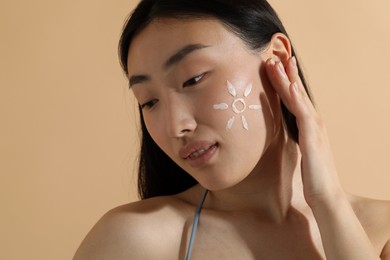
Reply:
x=238, y=105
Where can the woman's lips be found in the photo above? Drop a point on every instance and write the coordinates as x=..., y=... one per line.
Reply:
x=198, y=153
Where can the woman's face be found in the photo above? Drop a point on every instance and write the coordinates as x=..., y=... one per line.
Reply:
x=204, y=98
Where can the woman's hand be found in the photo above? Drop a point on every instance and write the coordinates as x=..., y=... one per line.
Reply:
x=342, y=235
x=319, y=175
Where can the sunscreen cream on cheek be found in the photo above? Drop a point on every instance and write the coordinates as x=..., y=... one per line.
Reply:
x=238, y=105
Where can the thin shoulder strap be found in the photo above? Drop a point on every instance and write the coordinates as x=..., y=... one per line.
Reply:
x=195, y=225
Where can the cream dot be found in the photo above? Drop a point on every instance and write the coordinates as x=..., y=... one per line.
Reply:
x=239, y=102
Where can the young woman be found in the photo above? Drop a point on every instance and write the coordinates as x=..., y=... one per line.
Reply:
x=235, y=162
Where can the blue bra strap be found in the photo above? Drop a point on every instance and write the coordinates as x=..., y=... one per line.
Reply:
x=195, y=225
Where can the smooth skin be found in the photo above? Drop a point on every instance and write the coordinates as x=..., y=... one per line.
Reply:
x=281, y=201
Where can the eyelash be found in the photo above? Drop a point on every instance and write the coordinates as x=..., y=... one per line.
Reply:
x=149, y=104
x=192, y=81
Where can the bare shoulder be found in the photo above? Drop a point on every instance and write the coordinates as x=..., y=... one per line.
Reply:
x=146, y=229
x=375, y=212
x=374, y=215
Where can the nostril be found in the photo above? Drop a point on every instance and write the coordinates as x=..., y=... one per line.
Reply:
x=185, y=131
x=185, y=127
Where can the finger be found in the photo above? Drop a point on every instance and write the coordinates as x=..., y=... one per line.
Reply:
x=293, y=75
x=291, y=90
x=289, y=86
x=279, y=80
x=312, y=131
x=299, y=105
x=304, y=111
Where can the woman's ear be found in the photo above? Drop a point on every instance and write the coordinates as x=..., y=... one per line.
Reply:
x=279, y=47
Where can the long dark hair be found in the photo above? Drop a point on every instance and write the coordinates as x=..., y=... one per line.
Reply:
x=254, y=21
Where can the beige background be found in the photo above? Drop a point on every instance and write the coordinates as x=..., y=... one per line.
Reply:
x=68, y=136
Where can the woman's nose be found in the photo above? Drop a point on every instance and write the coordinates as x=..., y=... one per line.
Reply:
x=180, y=120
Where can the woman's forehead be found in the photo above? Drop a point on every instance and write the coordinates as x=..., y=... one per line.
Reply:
x=174, y=32
x=163, y=37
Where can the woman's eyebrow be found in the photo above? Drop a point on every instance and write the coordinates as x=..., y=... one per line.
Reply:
x=171, y=61
x=182, y=53
x=137, y=79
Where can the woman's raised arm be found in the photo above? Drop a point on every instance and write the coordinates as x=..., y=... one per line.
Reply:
x=342, y=234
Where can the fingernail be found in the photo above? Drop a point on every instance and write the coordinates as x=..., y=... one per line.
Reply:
x=294, y=61
x=281, y=69
x=272, y=62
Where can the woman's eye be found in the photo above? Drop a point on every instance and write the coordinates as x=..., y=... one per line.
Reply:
x=149, y=104
x=194, y=80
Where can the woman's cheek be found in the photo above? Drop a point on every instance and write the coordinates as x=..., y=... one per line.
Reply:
x=152, y=123
x=234, y=104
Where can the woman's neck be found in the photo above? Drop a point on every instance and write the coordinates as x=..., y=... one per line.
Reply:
x=273, y=187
